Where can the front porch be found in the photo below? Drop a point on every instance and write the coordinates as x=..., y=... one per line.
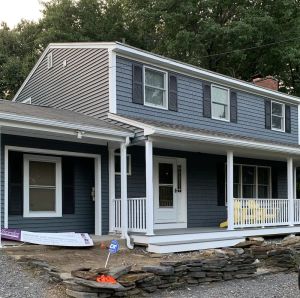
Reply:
x=250, y=192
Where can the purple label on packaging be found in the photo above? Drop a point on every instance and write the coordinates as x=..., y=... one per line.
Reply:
x=11, y=234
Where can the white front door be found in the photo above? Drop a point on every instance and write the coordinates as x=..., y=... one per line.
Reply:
x=169, y=192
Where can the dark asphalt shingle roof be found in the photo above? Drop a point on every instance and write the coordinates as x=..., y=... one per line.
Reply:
x=189, y=129
x=54, y=114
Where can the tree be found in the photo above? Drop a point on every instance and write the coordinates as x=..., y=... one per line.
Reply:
x=240, y=38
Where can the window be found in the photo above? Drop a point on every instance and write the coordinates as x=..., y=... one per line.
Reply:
x=49, y=60
x=118, y=164
x=278, y=112
x=251, y=181
x=220, y=103
x=42, y=186
x=155, y=88
x=27, y=101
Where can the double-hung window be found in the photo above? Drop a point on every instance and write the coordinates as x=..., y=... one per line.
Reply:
x=42, y=186
x=278, y=116
x=220, y=103
x=155, y=88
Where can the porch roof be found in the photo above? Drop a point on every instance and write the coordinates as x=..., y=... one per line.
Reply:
x=163, y=129
x=53, y=117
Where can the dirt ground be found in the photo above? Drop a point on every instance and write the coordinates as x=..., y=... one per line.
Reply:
x=68, y=259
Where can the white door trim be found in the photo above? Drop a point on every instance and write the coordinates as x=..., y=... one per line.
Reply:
x=182, y=203
x=97, y=158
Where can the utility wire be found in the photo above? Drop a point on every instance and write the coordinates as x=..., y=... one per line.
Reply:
x=251, y=48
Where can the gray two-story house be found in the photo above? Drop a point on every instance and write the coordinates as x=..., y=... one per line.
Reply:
x=106, y=138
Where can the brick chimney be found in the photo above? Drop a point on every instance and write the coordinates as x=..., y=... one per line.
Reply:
x=266, y=82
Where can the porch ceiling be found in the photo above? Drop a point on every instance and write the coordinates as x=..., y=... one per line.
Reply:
x=220, y=149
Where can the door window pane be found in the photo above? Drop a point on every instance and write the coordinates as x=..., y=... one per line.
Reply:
x=166, y=185
x=165, y=196
x=166, y=173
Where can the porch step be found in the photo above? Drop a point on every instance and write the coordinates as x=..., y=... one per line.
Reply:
x=190, y=245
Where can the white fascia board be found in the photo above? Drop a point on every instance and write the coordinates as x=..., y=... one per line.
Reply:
x=112, y=78
x=64, y=125
x=201, y=73
x=77, y=45
x=225, y=141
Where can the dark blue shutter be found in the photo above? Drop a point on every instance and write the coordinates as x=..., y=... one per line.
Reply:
x=287, y=119
x=233, y=107
x=15, y=183
x=206, y=101
x=137, y=84
x=173, y=106
x=68, y=200
x=268, y=114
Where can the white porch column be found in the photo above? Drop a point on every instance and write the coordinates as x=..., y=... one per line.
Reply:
x=230, y=203
x=290, y=189
x=149, y=187
x=124, y=203
x=112, y=190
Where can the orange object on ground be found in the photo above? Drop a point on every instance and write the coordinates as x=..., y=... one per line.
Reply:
x=106, y=278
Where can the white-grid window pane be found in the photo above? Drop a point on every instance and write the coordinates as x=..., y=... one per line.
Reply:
x=277, y=116
x=41, y=199
x=220, y=103
x=155, y=88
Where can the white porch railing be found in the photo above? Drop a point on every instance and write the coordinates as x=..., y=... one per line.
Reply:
x=297, y=211
x=136, y=214
x=260, y=212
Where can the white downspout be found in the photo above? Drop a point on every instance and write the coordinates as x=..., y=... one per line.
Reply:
x=124, y=198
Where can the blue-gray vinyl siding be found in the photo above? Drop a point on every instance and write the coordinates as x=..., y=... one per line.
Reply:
x=81, y=86
x=83, y=218
x=250, y=116
x=202, y=196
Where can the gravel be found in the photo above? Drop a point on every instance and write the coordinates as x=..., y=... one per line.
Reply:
x=281, y=285
x=17, y=282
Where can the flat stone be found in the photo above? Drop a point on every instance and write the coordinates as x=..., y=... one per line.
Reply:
x=65, y=276
x=81, y=294
x=99, y=285
x=290, y=240
x=159, y=270
x=71, y=285
x=192, y=281
x=171, y=263
x=133, y=278
x=195, y=269
x=150, y=289
x=119, y=271
x=84, y=274
x=180, y=268
x=197, y=274
x=248, y=243
x=259, y=239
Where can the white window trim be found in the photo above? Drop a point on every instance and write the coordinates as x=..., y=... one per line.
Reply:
x=27, y=100
x=211, y=103
x=283, y=116
x=129, y=164
x=49, y=60
x=165, y=89
x=58, y=184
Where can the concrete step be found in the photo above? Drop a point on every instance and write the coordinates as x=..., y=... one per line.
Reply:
x=192, y=244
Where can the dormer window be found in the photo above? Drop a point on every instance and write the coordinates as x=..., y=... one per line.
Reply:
x=220, y=103
x=155, y=88
x=278, y=116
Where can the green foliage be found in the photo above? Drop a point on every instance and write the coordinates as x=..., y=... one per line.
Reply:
x=208, y=33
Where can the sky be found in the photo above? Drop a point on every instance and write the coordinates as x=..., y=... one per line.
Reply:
x=12, y=11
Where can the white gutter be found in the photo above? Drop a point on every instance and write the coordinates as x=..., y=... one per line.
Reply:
x=64, y=125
